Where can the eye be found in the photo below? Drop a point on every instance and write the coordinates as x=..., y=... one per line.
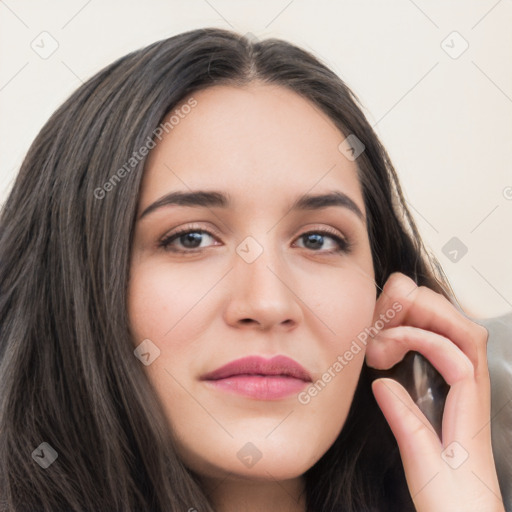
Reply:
x=187, y=240
x=323, y=241
x=190, y=240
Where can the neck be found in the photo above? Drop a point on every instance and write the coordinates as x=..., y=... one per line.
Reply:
x=231, y=495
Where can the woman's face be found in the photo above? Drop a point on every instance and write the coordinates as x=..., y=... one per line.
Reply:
x=276, y=263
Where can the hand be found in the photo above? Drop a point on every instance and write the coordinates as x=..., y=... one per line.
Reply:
x=457, y=473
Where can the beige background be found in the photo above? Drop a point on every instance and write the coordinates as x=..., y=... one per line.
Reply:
x=443, y=111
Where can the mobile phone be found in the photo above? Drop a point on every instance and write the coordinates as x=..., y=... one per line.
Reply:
x=424, y=383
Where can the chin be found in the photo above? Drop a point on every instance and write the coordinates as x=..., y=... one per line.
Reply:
x=260, y=461
x=263, y=471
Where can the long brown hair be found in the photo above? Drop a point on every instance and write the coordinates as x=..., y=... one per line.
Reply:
x=68, y=376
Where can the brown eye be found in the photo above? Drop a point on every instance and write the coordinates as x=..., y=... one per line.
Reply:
x=322, y=241
x=187, y=240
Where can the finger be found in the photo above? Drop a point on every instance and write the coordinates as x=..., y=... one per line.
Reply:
x=424, y=457
x=418, y=442
x=467, y=407
x=390, y=346
x=402, y=302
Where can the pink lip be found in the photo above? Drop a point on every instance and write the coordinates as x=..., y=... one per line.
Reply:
x=260, y=378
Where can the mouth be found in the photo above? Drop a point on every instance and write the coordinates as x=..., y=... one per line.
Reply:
x=260, y=378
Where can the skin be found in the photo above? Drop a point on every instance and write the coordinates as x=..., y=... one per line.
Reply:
x=264, y=146
x=456, y=472
x=292, y=300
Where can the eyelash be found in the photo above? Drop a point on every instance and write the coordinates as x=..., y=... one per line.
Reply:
x=343, y=244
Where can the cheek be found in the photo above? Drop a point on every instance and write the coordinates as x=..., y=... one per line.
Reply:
x=170, y=307
x=343, y=301
x=341, y=310
x=165, y=302
x=165, y=306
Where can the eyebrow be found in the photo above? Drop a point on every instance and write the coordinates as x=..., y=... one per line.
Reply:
x=213, y=199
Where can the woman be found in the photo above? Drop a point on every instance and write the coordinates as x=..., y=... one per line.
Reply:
x=206, y=263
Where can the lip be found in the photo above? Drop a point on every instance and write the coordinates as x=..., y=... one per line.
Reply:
x=260, y=378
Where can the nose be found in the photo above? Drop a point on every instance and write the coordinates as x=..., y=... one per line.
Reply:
x=262, y=294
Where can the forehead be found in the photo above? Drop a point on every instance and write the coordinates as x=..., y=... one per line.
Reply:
x=255, y=140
